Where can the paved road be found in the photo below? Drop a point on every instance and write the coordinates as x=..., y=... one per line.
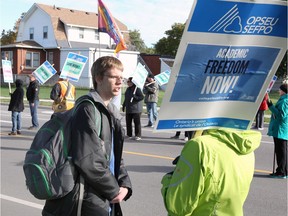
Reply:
x=146, y=160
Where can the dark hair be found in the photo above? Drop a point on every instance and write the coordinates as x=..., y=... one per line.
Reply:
x=103, y=64
x=283, y=87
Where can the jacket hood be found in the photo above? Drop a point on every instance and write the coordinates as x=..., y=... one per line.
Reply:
x=111, y=107
x=19, y=83
x=242, y=141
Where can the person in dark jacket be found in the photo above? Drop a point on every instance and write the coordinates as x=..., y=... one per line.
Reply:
x=16, y=105
x=151, y=91
x=32, y=95
x=98, y=157
x=133, y=103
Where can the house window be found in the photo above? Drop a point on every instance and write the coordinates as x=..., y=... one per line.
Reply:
x=96, y=35
x=7, y=55
x=31, y=33
x=45, y=32
x=81, y=33
x=51, y=57
x=32, y=59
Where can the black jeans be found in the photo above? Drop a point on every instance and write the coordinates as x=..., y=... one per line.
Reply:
x=260, y=119
x=281, y=155
x=136, y=117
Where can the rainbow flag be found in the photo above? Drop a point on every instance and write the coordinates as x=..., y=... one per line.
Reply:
x=107, y=24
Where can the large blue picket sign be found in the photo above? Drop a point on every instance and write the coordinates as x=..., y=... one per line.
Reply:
x=229, y=17
x=217, y=73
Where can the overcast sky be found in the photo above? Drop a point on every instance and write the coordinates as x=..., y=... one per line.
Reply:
x=151, y=17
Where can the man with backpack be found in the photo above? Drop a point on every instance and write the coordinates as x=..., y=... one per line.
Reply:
x=63, y=94
x=97, y=155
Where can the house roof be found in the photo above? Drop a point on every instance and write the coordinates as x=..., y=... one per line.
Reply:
x=168, y=61
x=24, y=44
x=71, y=17
x=76, y=17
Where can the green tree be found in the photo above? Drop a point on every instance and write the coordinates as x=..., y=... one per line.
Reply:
x=136, y=42
x=282, y=70
x=8, y=37
x=169, y=45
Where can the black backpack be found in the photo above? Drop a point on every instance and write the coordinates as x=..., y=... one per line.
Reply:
x=47, y=167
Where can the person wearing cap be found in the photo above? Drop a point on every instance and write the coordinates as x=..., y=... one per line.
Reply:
x=63, y=92
x=32, y=95
x=278, y=130
x=16, y=106
x=151, y=90
x=133, y=104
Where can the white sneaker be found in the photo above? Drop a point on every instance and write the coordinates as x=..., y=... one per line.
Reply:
x=137, y=138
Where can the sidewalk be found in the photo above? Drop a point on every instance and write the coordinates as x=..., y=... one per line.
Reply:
x=48, y=100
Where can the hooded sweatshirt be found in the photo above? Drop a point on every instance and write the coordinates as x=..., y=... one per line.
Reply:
x=17, y=98
x=213, y=174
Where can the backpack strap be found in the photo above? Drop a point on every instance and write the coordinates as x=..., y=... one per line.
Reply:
x=68, y=89
x=98, y=118
x=81, y=195
x=98, y=122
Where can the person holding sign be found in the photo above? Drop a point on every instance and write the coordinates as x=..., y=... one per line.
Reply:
x=134, y=106
x=151, y=90
x=213, y=174
x=260, y=113
x=63, y=93
x=16, y=106
x=32, y=95
x=97, y=155
x=278, y=130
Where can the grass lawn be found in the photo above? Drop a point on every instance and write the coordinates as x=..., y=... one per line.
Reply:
x=45, y=94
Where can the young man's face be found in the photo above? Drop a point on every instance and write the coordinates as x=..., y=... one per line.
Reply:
x=111, y=83
x=32, y=78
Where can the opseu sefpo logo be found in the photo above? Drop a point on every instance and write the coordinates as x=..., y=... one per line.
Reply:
x=231, y=22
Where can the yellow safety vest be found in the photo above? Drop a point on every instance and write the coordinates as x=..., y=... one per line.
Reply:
x=70, y=98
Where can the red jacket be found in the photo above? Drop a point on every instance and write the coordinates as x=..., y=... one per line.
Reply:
x=263, y=105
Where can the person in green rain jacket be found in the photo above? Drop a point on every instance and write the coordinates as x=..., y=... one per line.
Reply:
x=213, y=174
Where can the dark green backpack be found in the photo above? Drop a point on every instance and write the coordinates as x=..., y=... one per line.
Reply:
x=47, y=168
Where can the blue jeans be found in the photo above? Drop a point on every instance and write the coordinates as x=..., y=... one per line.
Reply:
x=16, y=121
x=34, y=115
x=152, y=112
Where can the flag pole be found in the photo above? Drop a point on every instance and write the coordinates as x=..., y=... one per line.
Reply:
x=131, y=100
x=99, y=42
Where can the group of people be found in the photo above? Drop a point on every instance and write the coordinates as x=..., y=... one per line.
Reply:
x=16, y=105
x=200, y=184
x=62, y=90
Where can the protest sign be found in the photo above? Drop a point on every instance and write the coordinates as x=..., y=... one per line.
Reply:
x=224, y=64
x=139, y=76
x=44, y=72
x=73, y=66
x=271, y=83
x=7, y=71
x=163, y=77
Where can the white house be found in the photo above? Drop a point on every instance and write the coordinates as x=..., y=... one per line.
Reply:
x=50, y=33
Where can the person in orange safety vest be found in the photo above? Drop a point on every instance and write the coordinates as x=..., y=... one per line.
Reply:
x=63, y=93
